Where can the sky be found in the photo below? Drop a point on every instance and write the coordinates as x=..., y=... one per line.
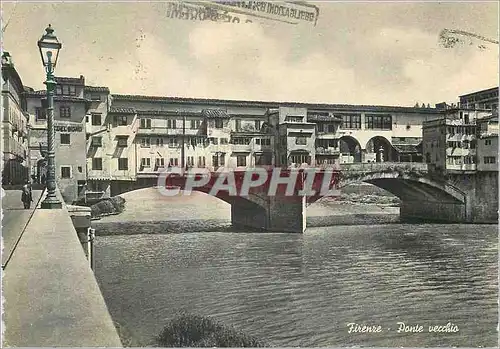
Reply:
x=385, y=53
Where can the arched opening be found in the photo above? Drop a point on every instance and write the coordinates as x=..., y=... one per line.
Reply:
x=350, y=150
x=379, y=149
x=41, y=171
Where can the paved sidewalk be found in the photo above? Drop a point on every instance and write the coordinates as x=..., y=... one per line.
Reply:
x=52, y=298
x=15, y=218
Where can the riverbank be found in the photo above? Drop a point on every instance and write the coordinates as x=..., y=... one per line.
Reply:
x=108, y=207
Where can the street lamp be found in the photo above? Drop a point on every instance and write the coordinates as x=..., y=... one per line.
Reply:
x=49, y=48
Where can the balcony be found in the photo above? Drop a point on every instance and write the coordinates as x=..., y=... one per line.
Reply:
x=461, y=167
x=122, y=130
x=243, y=148
x=164, y=131
x=327, y=151
x=327, y=135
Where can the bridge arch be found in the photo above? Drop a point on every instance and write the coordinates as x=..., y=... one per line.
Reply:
x=376, y=143
x=349, y=145
x=122, y=187
x=408, y=187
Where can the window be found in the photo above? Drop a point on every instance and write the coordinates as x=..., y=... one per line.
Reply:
x=201, y=161
x=320, y=128
x=58, y=90
x=172, y=142
x=218, y=160
x=145, y=162
x=97, y=141
x=96, y=119
x=121, y=120
x=237, y=125
x=331, y=128
x=257, y=125
x=97, y=163
x=301, y=140
x=95, y=97
x=170, y=123
x=300, y=159
x=123, y=164
x=122, y=141
x=351, y=121
x=145, y=123
x=65, y=138
x=487, y=142
x=489, y=160
x=195, y=124
x=214, y=141
x=378, y=122
x=65, y=90
x=223, y=141
x=159, y=162
x=40, y=114
x=263, y=159
x=173, y=162
x=294, y=119
x=72, y=90
x=65, y=112
x=65, y=172
x=241, y=160
x=190, y=161
x=219, y=123
x=86, y=118
x=159, y=142
x=145, y=142
x=80, y=169
x=241, y=141
x=263, y=141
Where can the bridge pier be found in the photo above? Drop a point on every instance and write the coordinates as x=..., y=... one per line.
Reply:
x=284, y=214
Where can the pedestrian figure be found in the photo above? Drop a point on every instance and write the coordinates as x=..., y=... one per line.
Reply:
x=27, y=196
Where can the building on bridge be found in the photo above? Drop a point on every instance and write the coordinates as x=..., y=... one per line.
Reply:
x=484, y=99
x=137, y=136
x=126, y=137
x=487, y=144
x=70, y=110
x=15, y=161
x=451, y=143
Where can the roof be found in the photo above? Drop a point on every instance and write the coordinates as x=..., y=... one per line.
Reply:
x=68, y=80
x=215, y=114
x=166, y=112
x=122, y=110
x=8, y=71
x=493, y=89
x=96, y=89
x=58, y=98
x=274, y=104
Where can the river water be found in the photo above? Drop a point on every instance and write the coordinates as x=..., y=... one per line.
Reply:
x=293, y=289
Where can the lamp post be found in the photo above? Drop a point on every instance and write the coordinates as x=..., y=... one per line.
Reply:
x=49, y=48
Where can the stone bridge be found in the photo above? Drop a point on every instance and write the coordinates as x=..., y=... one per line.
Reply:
x=423, y=195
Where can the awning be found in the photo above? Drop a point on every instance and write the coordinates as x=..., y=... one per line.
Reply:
x=405, y=148
x=116, y=110
x=214, y=114
x=299, y=151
